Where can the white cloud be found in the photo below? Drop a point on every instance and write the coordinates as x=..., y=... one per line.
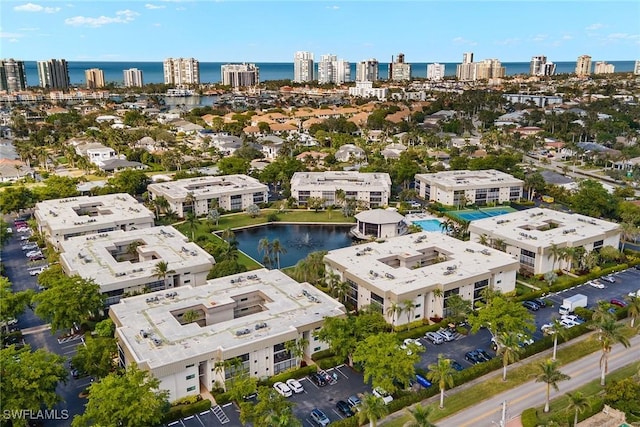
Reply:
x=157, y=24
x=462, y=40
x=508, y=42
x=122, y=17
x=153, y=6
x=539, y=37
x=594, y=27
x=4, y=35
x=181, y=8
x=31, y=7
x=567, y=37
x=333, y=7
x=29, y=29
x=13, y=40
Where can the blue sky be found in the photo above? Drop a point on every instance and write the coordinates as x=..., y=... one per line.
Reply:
x=270, y=31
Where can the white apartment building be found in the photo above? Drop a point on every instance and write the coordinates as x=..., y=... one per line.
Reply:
x=99, y=154
x=181, y=71
x=539, y=66
x=399, y=70
x=365, y=89
x=248, y=318
x=133, y=78
x=200, y=195
x=480, y=187
x=368, y=70
x=240, y=75
x=583, y=66
x=370, y=189
x=302, y=67
x=53, y=74
x=603, y=67
x=124, y=262
x=529, y=235
x=435, y=71
x=333, y=70
x=94, y=78
x=61, y=219
x=415, y=268
x=636, y=68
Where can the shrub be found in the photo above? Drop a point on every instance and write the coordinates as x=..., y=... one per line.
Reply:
x=273, y=217
x=529, y=417
x=181, y=411
x=187, y=400
x=322, y=354
x=330, y=362
x=297, y=373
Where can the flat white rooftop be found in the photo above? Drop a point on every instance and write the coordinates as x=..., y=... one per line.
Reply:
x=278, y=305
x=341, y=180
x=540, y=227
x=381, y=264
x=206, y=187
x=470, y=179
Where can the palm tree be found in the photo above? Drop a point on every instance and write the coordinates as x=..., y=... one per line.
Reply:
x=555, y=252
x=192, y=220
x=558, y=330
x=408, y=306
x=633, y=309
x=278, y=249
x=550, y=375
x=442, y=373
x=419, y=416
x=264, y=245
x=394, y=309
x=340, y=290
x=602, y=313
x=578, y=403
x=162, y=271
x=608, y=332
x=509, y=347
x=296, y=348
x=214, y=215
x=483, y=239
x=372, y=408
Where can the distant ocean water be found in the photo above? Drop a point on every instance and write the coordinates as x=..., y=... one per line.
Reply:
x=210, y=72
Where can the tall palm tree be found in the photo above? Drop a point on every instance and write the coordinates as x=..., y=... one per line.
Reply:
x=602, y=313
x=555, y=252
x=483, y=239
x=372, y=408
x=192, y=220
x=278, y=249
x=442, y=373
x=340, y=290
x=509, y=348
x=558, y=330
x=264, y=246
x=162, y=271
x=394, y=309
x=550, y=375
x=577, y=403
x=408, y=306
x=608, y=332
x=419, y=416
x=633, y=309
x=296, y=348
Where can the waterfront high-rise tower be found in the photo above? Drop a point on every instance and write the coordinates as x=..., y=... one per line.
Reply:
x=367, y=71
x=489, y=69
x=240, y=75
x=636, y=68
x=12, y=75
x=399, y=70
x=53, y=74
x=94, y=78
x=435, y=71
x=467, y=70
x=536, y=67
x=303, y=67
x=583, y=66
x=181, y=71
x=133, y=78
x=601, y=67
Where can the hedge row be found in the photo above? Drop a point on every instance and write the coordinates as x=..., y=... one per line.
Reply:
x=529, y=416
x=181, y=411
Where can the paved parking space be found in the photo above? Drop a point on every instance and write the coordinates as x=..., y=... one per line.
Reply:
x=226, y=415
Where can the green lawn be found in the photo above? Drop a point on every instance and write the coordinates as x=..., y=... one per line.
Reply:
x=243, y=220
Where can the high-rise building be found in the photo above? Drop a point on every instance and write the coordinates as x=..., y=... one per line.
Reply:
x=583, y=66
x=435, y=71
x=549, y=69
x=602, y=67
x=240, y=75
x=133, y=78
x=536, y=67
x=303, y=67
x=636, y=68
x=333, y=70
x=94, y=78
x=53, y=74
x=467, y=70
x=467, y=57
x=489, y=69
x=12, y=75
x=181, y=71
x=399, y=70
x=343, y=71
x=367, y=71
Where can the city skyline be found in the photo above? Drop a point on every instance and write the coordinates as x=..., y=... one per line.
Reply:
x=117, y=31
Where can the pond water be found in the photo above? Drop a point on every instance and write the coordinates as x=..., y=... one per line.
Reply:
x=299, y=240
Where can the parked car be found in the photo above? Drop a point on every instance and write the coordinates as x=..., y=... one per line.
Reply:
x=530, y=305
x=568, y=323
x=37, y=271
x=382, y=394
x=294, y=385
x=540, y=302
x=618, y=302
x=473, y=357
x=595, y=284
x=455, y=365
x=283, y=389
x=23, y=229
x=483, y=354
x=344, y=408
x=609, y=279
x=572, y=317
x=547, y=329
x=406, y=345
x=33, y=253
x=36, y=257
x=423, y=381
x=318, y=379
x=354, y=402
x=446, y=335
x=320, y=418
x=434, y=337
x=30, y=246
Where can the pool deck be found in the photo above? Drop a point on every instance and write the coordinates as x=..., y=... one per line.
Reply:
x=420, y=217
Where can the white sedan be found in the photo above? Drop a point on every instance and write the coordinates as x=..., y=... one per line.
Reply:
x=568, y=323
x=573, y=318
x=295, y=385
x=283, y=389
x=596, y=284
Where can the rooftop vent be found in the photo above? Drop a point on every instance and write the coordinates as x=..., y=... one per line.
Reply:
x=241, y=332
x=261, y=325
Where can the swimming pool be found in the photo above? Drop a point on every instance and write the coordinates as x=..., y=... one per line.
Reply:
x=473, y=214
x=428, y=224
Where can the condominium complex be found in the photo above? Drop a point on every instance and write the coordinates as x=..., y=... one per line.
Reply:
x=466, y=70
x=368, y=71
x=333, y=70
x=463, y=187
x=133, y=78
x=636, y=68
x=61, y=219
x=489, y=69
x=181, y=71
x=531, y=236
x=200, y=195
x=370, y=189
x=94, y=78
x=240, y=75
x=12, y=76
x=541, y=67
x=53, y=74
x=126, y=262
x=365, y=89
x=248, y=318
x=399, y=70
x=303, y=67
x=424, y=268
x=601, y=67
x=583, y=66
x=435, y=71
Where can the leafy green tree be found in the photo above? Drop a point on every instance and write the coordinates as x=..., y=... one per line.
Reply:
x=608, y=332
x=240, y=385
x=315, y=203
x=96, y=356
x=534, y=184
x=12, y=304
x=226, y=267
x=592, y=199
x=311, y=268
x=29, y=379
x=233, y=166
x=131, y=399
x=371, y=408
x=57, y=187
x=130, y=181
x=624, y=395
x=384, y=362
x=419, y=416
x=394, y=310
x=296, y=348
x=502, y=315
x=105, y=328
x=551, y=375
x=578, y=403
x=16, y=198
x=441, y=372
x=69, y=303
x=253, y=210
x=457, y=307
x=161, y=270
x=214, y=215
x=509, y=348
x=271, y=409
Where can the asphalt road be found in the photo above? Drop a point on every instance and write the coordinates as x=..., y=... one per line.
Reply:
x=533, y=394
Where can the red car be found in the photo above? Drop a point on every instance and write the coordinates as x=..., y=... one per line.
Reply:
x=618, y=302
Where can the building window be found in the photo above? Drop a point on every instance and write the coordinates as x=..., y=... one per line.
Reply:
x=190, y=377
x=527, y=258
x=190, y=366
x=598, y=244
x=478, y=287
x=192, y=388
x=377, y=302
x=352, y=293
x=447, y=295
x=316, y=349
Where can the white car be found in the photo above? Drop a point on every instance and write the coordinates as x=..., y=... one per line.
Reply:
x=567, y=323
x=283, y=389
x=547, y=329
x=572, y=318
x=23, y=229
x=409, y=342
x=295, y=385
x=608, y=278
x=596, y=284
x=33, y=253
x=382, y=394
x=37, y=271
